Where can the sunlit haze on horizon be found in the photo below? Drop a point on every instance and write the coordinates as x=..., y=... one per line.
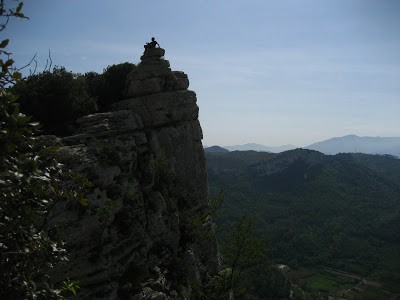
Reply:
x=267, y=72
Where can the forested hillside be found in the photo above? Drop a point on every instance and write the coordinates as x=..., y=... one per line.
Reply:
x=339, y=212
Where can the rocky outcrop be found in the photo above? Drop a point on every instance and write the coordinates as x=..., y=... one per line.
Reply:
x=155, y=76
x=141, y=229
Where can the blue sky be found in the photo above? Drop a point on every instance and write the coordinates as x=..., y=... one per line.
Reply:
x=268, y=72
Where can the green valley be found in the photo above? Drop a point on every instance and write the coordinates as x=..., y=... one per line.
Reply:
x=334, y=220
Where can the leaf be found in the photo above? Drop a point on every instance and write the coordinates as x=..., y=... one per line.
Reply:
x=9, y=63
x=20, y=15
x=53, y=148
x=84, y=201
x=16, y=111
x=17, y=75
x=18, y=9
x=34, y=124
x=4, y=43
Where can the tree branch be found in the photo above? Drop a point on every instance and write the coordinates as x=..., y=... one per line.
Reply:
x=28, y=64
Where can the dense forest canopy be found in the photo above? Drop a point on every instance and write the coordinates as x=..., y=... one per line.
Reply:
x=340, y=212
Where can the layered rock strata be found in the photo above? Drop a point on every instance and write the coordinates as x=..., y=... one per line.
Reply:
x=154, y=75
x=142, y=229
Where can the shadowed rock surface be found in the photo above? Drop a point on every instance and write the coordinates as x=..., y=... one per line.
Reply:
x=154, y=75
x=145, y=232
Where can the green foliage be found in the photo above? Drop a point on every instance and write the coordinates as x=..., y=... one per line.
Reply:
x=55, y=99
x=106, y=212
x=193, y=225
x=70, y=286
x=338, y=211
x=8, y=73
x=247, y=272
x=77, y=186
x=109, y=87
x=160, y=170
x=28, y=180
x=105, y=152
x=30, y=184
x=242, y=250
x=216, y=203
x=266, y=282
x=82, y=103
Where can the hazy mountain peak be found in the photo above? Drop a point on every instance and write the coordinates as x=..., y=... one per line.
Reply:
x=215, y=149
x=354, y=143
x=259, y=147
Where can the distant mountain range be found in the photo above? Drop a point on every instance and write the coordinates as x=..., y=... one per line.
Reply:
x=346, y=144
x=215, y=149
x=258, y=147
x=356, y=144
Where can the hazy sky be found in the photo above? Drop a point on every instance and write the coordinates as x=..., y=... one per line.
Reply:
x=268, y=72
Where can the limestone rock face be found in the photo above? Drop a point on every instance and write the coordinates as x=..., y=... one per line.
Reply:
x=145, y=231
x=154, y=75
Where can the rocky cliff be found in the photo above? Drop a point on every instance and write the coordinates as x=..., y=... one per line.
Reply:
x=142, y=229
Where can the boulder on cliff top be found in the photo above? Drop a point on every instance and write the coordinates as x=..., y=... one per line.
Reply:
x=154, y=75
x=153, y=53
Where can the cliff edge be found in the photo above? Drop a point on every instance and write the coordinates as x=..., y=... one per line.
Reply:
x=142, y=230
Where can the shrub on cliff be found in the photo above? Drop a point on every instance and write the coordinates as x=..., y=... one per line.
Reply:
x=109, y=86
x=242, y=250
x=29, y=186
x=55, y=99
